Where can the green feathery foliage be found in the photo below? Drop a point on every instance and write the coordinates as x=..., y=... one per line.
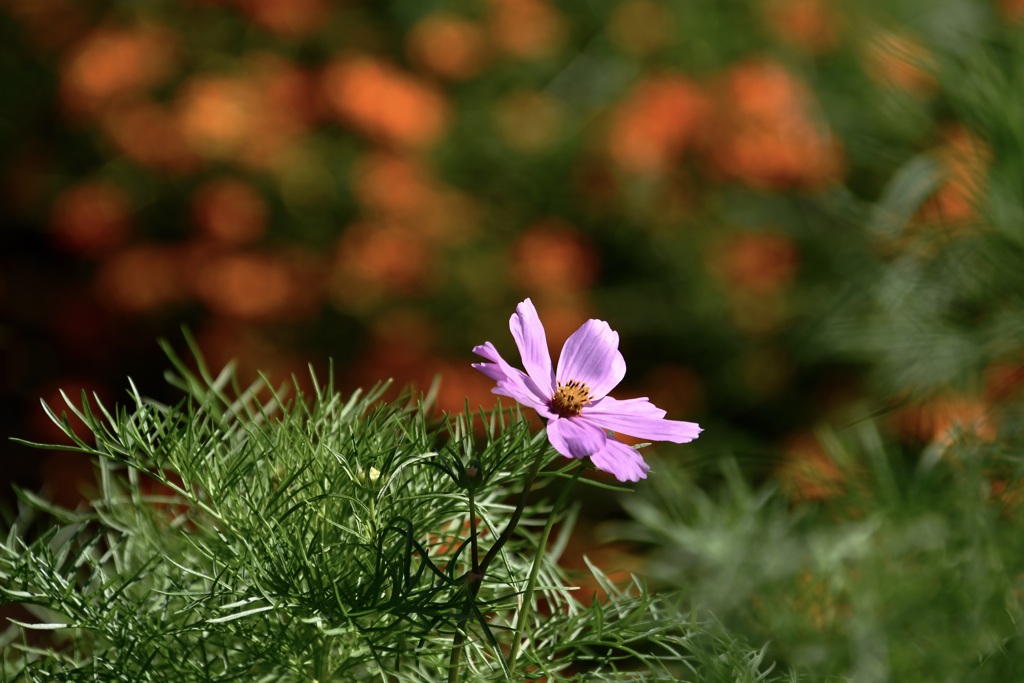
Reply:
x=240, y=535
x=901, y=573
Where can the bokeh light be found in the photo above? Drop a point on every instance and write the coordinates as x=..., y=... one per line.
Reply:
x=380, y=184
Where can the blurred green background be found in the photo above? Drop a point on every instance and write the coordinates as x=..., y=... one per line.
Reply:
x=804, y=217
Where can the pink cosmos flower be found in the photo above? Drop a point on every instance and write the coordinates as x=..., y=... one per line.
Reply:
x=574, y=398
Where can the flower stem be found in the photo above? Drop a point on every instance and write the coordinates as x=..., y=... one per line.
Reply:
x=321, y=659
x=474, y=546
x=475, y=576
x=531, y=585
x=322, y=654
x=456, y=656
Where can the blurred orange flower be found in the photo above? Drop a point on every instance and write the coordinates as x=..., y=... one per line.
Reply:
x=230, y=211
x=816, y=602
x=1003, y=379
x=764, y=90
x=218, y=114
x=1007, y=493
x=384, y=102
x=552, y=257
x=404, y=327
x=965, y=158
x=393, y=185
x=756, y=267
x=900, y=62
x=447, y=46
x=114, y=62
x=230, y=340
x=766, y=134
x=766, y=160
x=148, y=134
x=656, y=123
x=808, y=24
x=49, y=24
x=1011, y=10
x=373, y=260
x=291, y=18
x=944, y=418
x=401, y=190
x=526, y=29
x=258, y=286
x=807, y=473
x=143, y=278
x=756, y=262
x=641, y=27
x=91, y=217
x=402, y=348
x=253, y=117
x=287, y=106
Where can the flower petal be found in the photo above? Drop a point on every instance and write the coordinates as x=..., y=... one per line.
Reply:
x=591, y=355
x=512, y=382
x=574, y=438
x=639, y=420
x=488, y=351
x=619, y=459
x=640, y=407
x=528, y=331
x=497, y=369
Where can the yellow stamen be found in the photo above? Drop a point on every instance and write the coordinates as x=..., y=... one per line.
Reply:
x=570, y=398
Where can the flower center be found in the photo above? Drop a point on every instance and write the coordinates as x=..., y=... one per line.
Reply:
x=570, y=398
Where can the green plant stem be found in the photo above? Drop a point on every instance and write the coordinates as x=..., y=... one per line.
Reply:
x=474, y=546
x=455, y=658
x=322, y=655
x=321, y=659
x=506, y=533
x=475, y=577
x=531, y=585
